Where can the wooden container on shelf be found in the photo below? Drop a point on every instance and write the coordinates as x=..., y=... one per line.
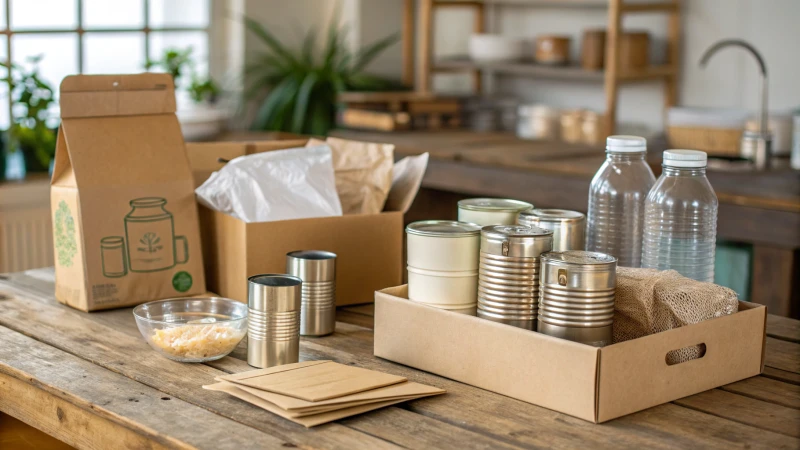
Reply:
x=552, y=49
x=714, y=141
x=572, y=126
x=592, y=128
x=593, y=49
x=634, y=50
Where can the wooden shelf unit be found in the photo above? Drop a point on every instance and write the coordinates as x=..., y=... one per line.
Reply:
x=612, y=75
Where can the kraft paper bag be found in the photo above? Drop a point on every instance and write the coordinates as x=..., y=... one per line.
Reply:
x=363, y=173
x=306, y=421
x=125, y=221
x=314, y=381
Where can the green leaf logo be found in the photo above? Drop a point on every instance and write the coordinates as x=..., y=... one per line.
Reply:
x=150, y=243
x=64, y=231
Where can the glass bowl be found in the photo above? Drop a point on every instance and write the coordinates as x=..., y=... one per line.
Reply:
x=192, y=329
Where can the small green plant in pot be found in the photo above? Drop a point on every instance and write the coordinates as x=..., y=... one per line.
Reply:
x=30, y=132
x=303, y=86
x=179, y=62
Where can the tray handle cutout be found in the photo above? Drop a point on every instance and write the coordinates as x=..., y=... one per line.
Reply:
x=685, y=354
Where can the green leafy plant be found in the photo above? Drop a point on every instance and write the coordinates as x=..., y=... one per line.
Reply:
x=64, y=230
x=31, y=97
x=303, y=86
x=179, y=62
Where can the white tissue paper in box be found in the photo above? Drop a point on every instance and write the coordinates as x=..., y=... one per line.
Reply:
x=297, y=183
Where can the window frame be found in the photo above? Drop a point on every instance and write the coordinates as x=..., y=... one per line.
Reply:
x=79, y=30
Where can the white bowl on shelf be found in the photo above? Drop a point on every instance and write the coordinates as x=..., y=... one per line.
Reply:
x=485, y=47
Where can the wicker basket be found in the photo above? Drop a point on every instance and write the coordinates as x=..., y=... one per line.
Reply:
x=714, y=141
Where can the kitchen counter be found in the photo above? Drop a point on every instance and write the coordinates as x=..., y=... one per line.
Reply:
x=90, y=380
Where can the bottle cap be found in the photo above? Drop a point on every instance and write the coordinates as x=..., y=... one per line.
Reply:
x=627, y=144
x=684, y=158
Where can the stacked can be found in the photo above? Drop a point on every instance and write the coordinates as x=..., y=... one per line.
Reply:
x=443, y=264
x=568, y=227
x=273, y=324
x=508, y=274
x=491, y=211
x=577, y=296
x=317, y=269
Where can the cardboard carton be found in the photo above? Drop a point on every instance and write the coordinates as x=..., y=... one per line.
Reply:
x=594, y=384
x=369, y=246
x=125, y=220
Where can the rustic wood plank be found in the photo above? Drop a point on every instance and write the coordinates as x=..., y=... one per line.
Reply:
x=18, y=435
x=781, y=375
x=783, y=328
x=86, y=405
x=746, y=410
x=367, y=309
x=773, y=269
x=354, y=318
x=767, y=389
x=782, y=355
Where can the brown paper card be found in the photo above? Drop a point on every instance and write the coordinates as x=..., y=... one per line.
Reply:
x=314, y=382
x=126, y=227
x=400, y=390
x=363, y=173
x=307, y=421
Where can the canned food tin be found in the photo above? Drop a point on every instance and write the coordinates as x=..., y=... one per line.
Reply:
x=578, y=289
x=508, y=274
x=491, y=211
x=273, y=326
x=568, y=227
x=443, y=245
x=442, y=289
x=317, y=269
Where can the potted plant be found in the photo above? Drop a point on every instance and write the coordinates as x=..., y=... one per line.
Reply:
x=31, y=132
x=303, y=86
x=199, y=112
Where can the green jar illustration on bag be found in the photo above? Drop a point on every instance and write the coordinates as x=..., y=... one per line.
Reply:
x=150, y=235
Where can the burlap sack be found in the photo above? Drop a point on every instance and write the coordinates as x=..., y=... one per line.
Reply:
x=649, y=301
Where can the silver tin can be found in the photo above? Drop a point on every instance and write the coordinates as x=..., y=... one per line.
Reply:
x=491, y=211
x=569, y=227
x=273, y=327
x=317, y=269
x=508, y=274
x=578, y=289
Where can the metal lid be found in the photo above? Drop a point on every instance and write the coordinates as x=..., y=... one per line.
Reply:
x=493, y=204
x=516, y=240
x=685, y=158
x=578, y=257
x=626, y=144
x=552, y=215
x=443, y=228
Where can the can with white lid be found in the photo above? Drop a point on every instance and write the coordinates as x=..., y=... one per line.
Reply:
x=578, y=289
x=569, y=227
x=443, y=263
x=508, y=275
x=491, y=211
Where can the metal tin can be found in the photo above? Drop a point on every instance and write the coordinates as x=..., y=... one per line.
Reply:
x=317, y=269
x=569, y=227
x=508, y=274
x=491, y=211
x=273, y=325
x=443, y=263
x=578, y=289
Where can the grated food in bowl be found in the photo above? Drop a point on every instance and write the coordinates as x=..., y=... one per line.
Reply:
x=195, y=342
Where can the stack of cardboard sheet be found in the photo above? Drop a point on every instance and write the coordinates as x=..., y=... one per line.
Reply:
x=315, y=392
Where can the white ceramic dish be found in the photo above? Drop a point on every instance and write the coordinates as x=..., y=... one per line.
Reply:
x=494, y=47
x=443, y=289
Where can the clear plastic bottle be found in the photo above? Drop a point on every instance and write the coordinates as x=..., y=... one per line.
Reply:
x=681, y=218
x=615, y=221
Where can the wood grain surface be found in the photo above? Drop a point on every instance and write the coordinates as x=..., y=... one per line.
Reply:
x=91, y=381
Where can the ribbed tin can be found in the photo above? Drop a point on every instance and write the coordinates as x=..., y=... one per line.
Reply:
x=491, y=211
x=273, y=325
x=577, y=296
x=569, y=227
x=508, y=273
x=317, y=269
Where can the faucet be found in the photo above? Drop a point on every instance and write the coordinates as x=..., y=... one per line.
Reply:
x=761, y=142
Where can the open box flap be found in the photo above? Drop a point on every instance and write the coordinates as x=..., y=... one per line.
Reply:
x=116, y=95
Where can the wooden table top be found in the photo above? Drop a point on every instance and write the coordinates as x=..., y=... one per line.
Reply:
x=93, y=382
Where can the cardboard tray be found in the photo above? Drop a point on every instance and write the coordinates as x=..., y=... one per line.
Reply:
x=594, y=384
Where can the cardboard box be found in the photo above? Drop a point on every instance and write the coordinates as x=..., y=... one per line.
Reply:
x=125, y=222
x=594, y=384
x=369, y=246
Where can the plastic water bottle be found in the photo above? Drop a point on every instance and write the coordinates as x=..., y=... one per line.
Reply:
x=680, y=228
x=615, y=221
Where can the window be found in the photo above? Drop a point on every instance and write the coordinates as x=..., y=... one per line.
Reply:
x=98, y=36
